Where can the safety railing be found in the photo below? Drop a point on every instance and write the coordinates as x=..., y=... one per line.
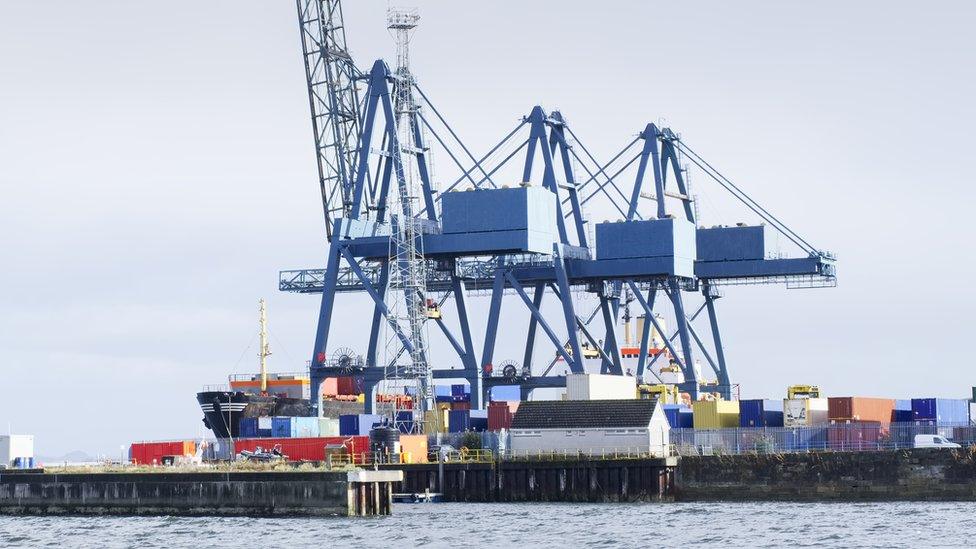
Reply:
x=587, y=454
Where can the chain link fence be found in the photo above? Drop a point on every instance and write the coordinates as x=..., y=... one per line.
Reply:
x=847, y=437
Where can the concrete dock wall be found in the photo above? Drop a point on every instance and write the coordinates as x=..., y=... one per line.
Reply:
x=200, y=494
x=902, y=475
x=569, y=480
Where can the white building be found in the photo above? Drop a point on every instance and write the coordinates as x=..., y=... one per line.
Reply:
x=592, y=427
x=16, y=447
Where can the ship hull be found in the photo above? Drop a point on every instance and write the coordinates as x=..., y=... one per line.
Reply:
x=223, y=410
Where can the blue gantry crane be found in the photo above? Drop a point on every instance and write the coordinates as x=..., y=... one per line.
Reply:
x=512, y=224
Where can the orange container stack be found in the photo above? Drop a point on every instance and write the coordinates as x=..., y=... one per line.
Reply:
x=500, y=414
x=860, y=409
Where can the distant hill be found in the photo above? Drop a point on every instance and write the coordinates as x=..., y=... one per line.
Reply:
x=76, y=456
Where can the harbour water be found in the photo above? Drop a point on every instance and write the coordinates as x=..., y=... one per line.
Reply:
x=531, y=525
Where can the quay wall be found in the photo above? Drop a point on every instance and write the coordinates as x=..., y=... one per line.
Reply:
x=273, y=493
x=897, y=475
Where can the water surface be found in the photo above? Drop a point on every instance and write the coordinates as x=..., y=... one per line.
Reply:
x=530, y=525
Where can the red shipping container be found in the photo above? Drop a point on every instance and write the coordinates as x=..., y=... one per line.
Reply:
x=149, y=453
x=500, y=414
x=460, y=405
x=855, y=435
x=350, y=385
x=860, y=409
x=306, y=449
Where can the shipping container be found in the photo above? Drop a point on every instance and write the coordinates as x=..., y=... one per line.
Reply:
x=600, y=387
x=943, y=411
x=460, y=390
x=715, y=414
x=304, y=427
x=330, y=387
x=855, y=435
x=248, y=427
x=413, y=448
x=458, y=421
x=760, y=413
x=152, y=453
x=328, y=427
x=15, y=446
x=478, y=420
x=500, y=414
x=809, y=438
x=359, y=424
x=860, y=409
x=679, y=416
x=505, y=393
x=805, y=412
x=972, y=413
x=461, y=405
x=281, y=426
x=436, y=421
x=350, y=385
x=902, y=412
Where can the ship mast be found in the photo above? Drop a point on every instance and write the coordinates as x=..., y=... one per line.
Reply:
x=265, y=351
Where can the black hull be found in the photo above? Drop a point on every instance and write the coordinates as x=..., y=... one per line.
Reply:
x=223, y=410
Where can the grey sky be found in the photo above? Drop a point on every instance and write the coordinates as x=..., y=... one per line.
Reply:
x=156, y=171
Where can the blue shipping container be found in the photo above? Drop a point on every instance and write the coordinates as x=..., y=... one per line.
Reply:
x=804, y=439
x=442, y=390
x=760, y=413
x=248, y=427
x=458, y=421
x=902, y=412
x=460, y=390
x=671, y=412
x=358, y=424
x=304, y=427
x=281, y=427
x=943, y=411
x=512, y=393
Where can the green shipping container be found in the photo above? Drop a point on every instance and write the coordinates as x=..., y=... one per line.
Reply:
x=715, y=414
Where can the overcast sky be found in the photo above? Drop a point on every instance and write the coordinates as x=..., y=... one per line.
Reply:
x=157, y=170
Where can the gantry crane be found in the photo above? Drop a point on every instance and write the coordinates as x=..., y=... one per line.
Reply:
x=541, y=246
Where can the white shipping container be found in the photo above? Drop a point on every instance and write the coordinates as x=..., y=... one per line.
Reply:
x=600, y=387
x=804, y=412
x=264, y=423
x=328, y=427
x=15, y=446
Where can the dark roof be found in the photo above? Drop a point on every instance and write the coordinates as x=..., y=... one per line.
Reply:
x=584, y=414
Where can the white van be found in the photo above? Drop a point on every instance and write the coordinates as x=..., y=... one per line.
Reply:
x=934, y=441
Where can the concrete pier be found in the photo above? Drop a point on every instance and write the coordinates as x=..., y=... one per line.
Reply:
x=272, y=493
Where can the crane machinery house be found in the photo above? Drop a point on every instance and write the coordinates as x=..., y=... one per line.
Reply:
x=590, y=427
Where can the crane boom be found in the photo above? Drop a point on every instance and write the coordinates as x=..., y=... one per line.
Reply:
x=333, y=99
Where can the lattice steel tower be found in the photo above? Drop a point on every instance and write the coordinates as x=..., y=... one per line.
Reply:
x=406, y=245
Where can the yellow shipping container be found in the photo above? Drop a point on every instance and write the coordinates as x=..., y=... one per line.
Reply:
x=715, y=414
x=431, y=423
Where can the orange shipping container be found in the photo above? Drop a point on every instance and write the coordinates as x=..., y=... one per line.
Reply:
x=415, y=446
x=330, y=387
x=860, y=409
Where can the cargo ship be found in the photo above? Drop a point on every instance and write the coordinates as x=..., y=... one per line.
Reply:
x=262, y=394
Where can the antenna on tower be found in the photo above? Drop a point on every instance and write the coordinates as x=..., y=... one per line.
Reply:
x=265, y=350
